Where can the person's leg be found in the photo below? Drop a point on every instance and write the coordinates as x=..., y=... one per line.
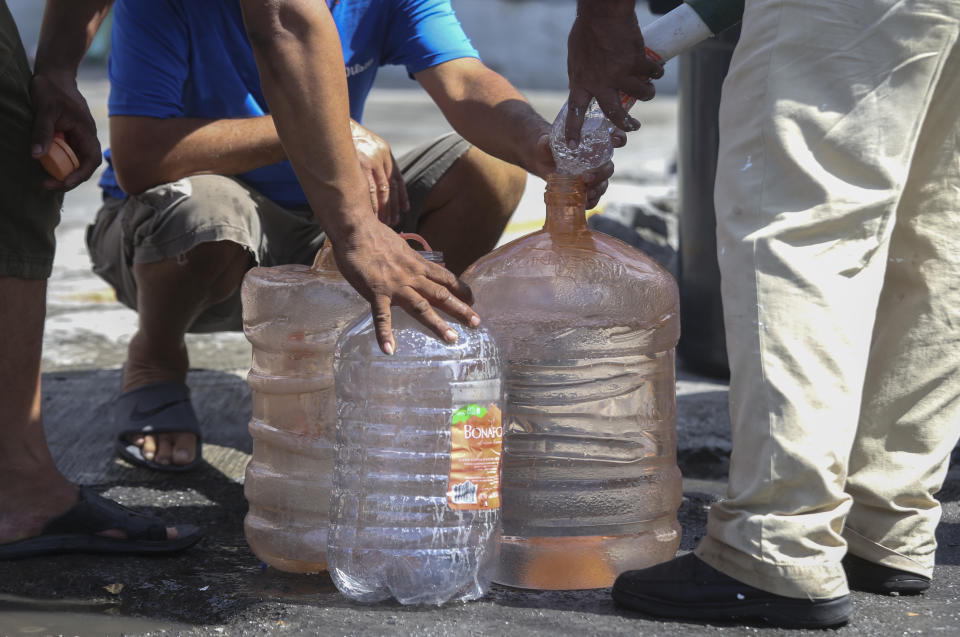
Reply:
x=32, y=490
x=818, y=123
x=807, y=190
x=910, y=420
x=171, y=295
x=461, y=198
x=177, y=254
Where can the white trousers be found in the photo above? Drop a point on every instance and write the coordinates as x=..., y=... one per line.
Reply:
x=838, y=235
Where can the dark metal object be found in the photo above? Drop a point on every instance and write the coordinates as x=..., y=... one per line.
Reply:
x=701, y=72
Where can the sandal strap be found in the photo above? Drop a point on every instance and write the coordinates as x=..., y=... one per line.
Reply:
x=163, y=407
x=93, y=514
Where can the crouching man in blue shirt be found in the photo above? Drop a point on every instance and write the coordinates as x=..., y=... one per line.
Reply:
x=198, y=188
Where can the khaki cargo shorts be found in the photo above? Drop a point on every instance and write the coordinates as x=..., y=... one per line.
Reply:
x=28, y=213
x=169, y=220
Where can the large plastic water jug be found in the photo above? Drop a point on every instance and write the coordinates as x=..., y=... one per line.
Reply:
x=415, y=512
x=589, y=326
x=292, y=315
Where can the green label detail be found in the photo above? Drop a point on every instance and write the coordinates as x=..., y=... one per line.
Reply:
x=465, y=413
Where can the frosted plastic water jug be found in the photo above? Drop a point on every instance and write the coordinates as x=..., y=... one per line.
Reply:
x=415, y=512
x=589, y=326
x=292, y=315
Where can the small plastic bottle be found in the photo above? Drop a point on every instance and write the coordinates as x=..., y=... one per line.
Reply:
x=589, y=326
x=415, y=512
x=292, y=315
x=679, y=30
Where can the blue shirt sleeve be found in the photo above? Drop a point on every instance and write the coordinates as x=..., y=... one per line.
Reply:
x=425, y=33
x=148, y=64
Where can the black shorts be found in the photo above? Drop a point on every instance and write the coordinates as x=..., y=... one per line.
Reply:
x=28, y=213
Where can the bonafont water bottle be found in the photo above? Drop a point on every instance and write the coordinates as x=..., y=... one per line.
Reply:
x=292, y=315
x=415, y=512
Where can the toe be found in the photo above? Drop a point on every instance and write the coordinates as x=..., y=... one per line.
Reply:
x=184, y=448
x=164, y=449
x=149, y=447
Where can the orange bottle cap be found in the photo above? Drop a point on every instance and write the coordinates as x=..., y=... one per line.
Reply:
x=60, y=160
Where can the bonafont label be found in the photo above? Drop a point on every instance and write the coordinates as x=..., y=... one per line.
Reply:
x=476, y=440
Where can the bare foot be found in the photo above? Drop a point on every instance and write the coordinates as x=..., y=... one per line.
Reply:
x=29, y=503
x=141, y=369
x=178, y=449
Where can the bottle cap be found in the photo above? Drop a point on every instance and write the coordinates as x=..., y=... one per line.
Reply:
x=60, y=160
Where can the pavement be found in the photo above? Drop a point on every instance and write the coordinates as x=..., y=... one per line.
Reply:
x=219, y=587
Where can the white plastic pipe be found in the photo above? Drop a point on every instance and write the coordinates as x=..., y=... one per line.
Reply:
x=673, y=33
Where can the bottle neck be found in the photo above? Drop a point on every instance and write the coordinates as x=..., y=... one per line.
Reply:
x=566, y=204
x=433, y=256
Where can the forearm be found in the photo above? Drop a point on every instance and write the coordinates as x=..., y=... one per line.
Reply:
x=148, y=151
x=67, y=31
x=606, y=8
x=508, y=130
x=486, y=110
x=298, y=53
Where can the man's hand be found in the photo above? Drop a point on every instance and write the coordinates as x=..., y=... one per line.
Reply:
x=388, y=192
x=386, y=271
x=58, y=106
x=596, y=180
x=300, y=59
x=68, y=28
x=606, y=56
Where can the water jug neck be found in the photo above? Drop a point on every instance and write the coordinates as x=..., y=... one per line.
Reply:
x=566, y=204
x=432, y=256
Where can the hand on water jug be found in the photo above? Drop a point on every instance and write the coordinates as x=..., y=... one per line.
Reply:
x=386, y=271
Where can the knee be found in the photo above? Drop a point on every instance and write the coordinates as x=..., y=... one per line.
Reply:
x=225, y=263
x=205, y=275
x=504, y=181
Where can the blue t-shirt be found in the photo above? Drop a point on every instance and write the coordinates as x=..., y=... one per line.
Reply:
x=191, y=58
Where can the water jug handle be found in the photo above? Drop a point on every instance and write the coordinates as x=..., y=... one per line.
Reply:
x=412, y=236
x=325, y=259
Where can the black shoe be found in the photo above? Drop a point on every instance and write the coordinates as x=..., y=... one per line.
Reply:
x=688, y=588
x=863, y=575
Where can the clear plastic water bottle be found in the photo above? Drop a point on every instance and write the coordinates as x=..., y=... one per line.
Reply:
x=415, y=512
x=589, y=326
x=681, y=29
x=292, y=315
x=595, y=148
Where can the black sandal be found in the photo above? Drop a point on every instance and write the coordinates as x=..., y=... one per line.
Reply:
x=76, y=532
x=155, y=409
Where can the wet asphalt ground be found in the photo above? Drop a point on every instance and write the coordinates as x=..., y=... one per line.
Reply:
x=219, y=587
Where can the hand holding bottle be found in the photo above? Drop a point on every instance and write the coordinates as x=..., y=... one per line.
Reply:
x=59, y=107
x=611, y=65
x=596, y=178
x=607, y=57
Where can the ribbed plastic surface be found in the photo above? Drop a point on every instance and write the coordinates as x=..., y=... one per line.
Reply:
x=393, y=532
x=292, y=317
x=589, y=326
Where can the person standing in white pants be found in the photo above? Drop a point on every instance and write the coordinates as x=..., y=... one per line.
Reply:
x=838, y=235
